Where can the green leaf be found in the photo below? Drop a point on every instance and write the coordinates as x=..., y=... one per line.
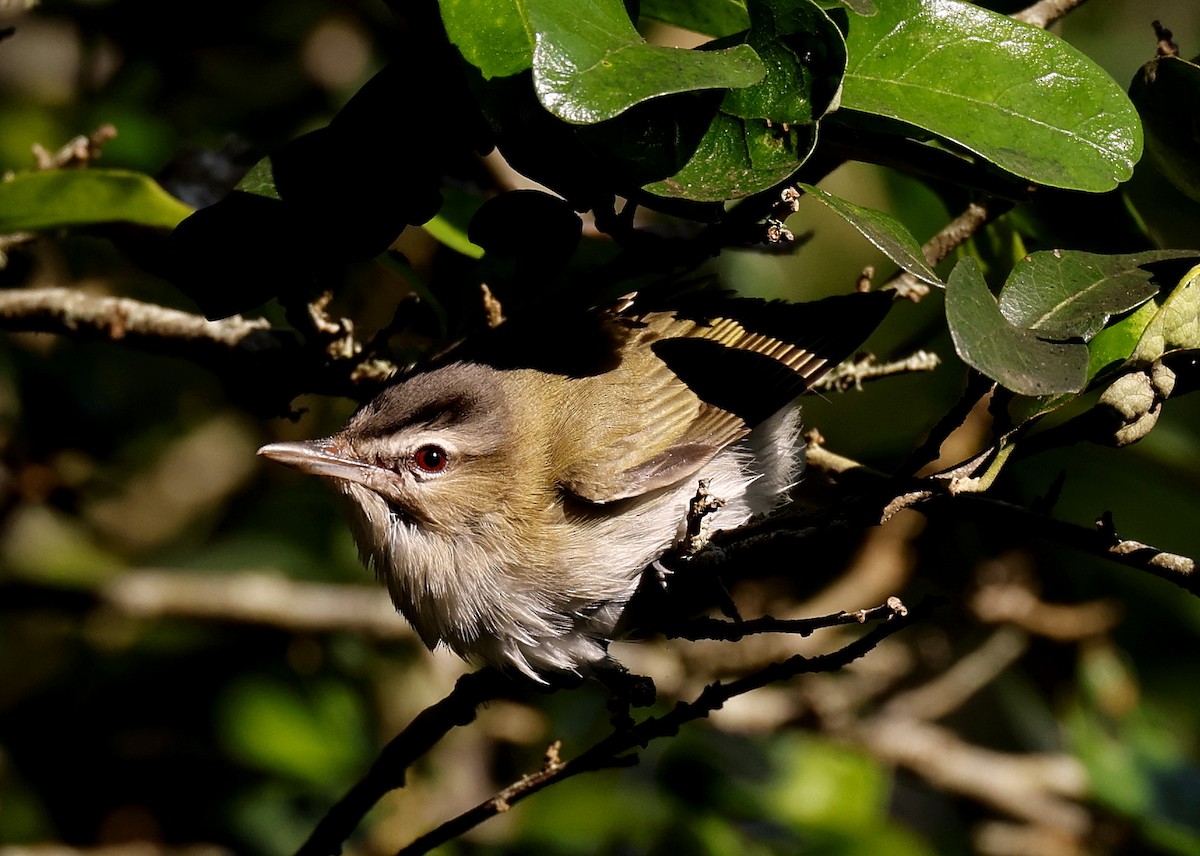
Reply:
x=449, y=225
x=763, y=134
x=1176, y=326
x=590, y=64
x=1066, y=294
x=1115, y=343
x=492, y=35
x=1015, y=357
x=805, y=56
x=713, y=18
x=53, y=199
x=883, y=230
x=1166, y=92
x=1017, y=95
x=260, y=180
x=738, y=157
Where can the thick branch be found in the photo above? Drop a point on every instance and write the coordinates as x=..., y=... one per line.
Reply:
x=81, y=315
x=257, y=598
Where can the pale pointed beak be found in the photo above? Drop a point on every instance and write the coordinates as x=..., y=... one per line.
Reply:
x=318, y=458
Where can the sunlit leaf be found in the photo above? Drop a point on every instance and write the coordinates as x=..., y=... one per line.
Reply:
x=591, y=64
x=1015, y=357
x=805, y=58
x=54, y=199
x=449, y=225
x=1176, y=326
x=763, y=134
x=883, y=230
x=1115, y=343
x=1017, y=95
x=492, y=35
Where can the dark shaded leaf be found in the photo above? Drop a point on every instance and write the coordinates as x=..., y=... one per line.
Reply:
x=237, y=254
x=1166, y=92
x=539, y=232
x=54, y=199
x=883, y=230
x=1017, y=95
x=1016, y=358
x=1064, y=294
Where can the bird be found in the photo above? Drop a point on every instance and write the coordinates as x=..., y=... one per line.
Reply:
x=512, y=493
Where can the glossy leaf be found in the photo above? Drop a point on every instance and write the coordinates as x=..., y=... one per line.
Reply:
x=883, y=230
x=1176, y=326
x=1015, y=357
x=54, y=199
x=763, y=134
x=590, y=64
x=1016, y=95
x=1067, y=294
x=805, y=57
x=1166, y=92
x=738, y=157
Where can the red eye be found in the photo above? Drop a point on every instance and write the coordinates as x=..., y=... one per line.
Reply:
x=430, y=459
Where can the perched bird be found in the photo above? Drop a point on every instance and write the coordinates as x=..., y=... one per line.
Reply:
x=511, y=495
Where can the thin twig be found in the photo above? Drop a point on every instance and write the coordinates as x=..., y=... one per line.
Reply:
x=853, y=374
x=391, y=766
x=951, y=236
x=611, y=751
x=734, y=631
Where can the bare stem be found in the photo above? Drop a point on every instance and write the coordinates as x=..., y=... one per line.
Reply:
x=611, y=752
x=1046, y=12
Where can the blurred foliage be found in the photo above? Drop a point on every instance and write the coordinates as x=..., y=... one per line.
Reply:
x=123, y=727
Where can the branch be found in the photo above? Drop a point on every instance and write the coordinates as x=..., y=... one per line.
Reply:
x=734, y=631
x=610, y=752
x=271, y=365
x=80, y=315
x=257, y=598
x=852, y=374
x=951, y=236
x=1046, y=12
x=390, y=767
